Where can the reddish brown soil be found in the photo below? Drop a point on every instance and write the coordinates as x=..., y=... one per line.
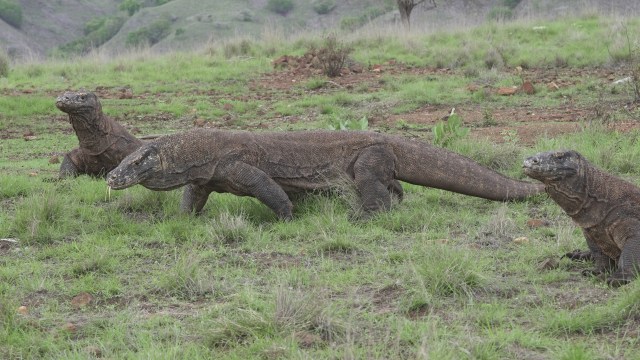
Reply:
x=527, y=122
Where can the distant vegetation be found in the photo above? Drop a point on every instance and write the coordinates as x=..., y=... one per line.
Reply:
x=322, y=7
x=11, y=12
x=151, y=33
x=97, y=31
x=130, y=6
x=4, y=64
x=282, y=7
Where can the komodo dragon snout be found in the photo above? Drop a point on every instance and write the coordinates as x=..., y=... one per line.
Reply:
x=552, y=165
x=136, y=168
x=70, y=102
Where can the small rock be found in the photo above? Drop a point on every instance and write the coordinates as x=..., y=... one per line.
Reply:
x=81, y=300
x=376, y=68
x=507, y=91
x=537, y=223
x=552, y=86
x=227, y=107
x=125, y=93
x=70, y=327
x=22, y=310
x=473, y=88
x=521, y=240
x=527, y=88
x=33, y=174
x=54, y=159
x=356, y=68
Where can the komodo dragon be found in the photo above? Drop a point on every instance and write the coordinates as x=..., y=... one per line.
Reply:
x=605, y=207
x=272, y=166
x=103, y=142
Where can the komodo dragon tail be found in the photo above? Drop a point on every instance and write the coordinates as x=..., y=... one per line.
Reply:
x=435, y=167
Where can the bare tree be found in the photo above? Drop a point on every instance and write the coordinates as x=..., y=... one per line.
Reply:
x=406, y=6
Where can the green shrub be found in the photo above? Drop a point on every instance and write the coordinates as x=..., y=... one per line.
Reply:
x=282, y=7
x=150, y=34
x=351, y=22
x=500, y=13
x=332, y=56
x=130, y=6
x=11, y=12
x=97, y=32
x=446, y=132
x=511, y=4
x=4, y=64
x=322, y=7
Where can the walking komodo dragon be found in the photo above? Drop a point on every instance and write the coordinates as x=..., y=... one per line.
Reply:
x=273, y=166
x=103, y=142
x=605, y=207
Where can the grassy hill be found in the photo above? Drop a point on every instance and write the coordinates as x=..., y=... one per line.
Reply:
x=66, y=26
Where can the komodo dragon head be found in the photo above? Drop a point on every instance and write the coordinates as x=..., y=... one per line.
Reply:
x=553, y=166
x=143, y=166
x=82, y=102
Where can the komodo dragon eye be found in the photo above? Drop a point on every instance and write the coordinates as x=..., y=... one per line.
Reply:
x=82, y=97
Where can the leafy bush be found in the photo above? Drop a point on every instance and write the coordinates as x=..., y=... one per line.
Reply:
x=511, y=4
x=4, y=64
x=322, y=7
x=11, y=12
x=282, y=7
x=150, y=34
x=130, y=6
x=349, y=124
x=353, y=22
x=333, y=56
x=500, y=13
x=446, y=132
x=97, y=32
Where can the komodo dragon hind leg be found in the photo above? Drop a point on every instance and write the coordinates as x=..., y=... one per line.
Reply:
x=374, y=179
x=628, y=264
x=396, y=189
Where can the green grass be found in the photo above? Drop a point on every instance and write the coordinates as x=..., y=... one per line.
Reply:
x=439, y=276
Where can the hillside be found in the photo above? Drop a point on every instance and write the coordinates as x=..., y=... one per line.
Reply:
x=185, y=24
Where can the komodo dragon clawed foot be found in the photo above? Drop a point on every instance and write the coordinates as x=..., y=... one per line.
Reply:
x=578, y=255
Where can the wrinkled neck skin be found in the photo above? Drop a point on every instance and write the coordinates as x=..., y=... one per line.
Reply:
x=571, y=193
x=90, y=127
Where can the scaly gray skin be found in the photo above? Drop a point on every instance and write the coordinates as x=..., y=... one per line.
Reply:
x=273, y=167
x=103, y=142
x=605, y=207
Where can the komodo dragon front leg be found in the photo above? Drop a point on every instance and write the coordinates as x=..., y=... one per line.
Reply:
x=68, y=168
x=603, y=263
x=374, y=176
x=239, y=178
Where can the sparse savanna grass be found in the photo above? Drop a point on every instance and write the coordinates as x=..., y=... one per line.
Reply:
x=439, y=276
